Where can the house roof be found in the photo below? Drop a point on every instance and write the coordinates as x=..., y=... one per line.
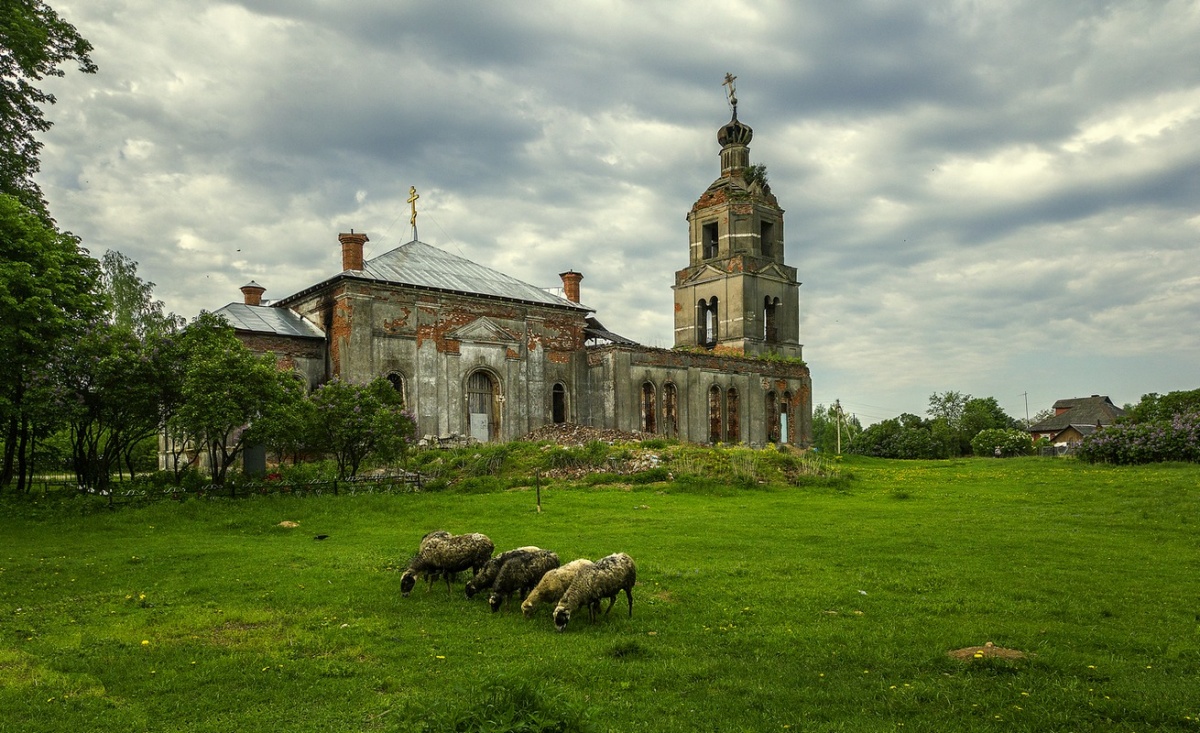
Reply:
x=268, y=319
x=1083, y=411
x=424, y=266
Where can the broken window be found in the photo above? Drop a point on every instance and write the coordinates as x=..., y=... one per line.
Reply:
x=670, y=410
x=558, y=406
x=770, y=330
x=733, y=427
x=785, y=418
x=772, y=415
x=714, y=414
x=710, y=241
x=397, y=381
x=766, y=234
x=706, y=323
x=648, y=408
x=483, y=406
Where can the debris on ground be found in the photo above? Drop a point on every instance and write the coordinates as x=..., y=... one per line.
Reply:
x=988, y=650
x=572, y=435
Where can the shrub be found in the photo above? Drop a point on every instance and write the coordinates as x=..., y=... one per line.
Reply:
x=1177, y=439
x=1001, y=443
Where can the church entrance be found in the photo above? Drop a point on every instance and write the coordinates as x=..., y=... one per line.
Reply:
x=483, y=406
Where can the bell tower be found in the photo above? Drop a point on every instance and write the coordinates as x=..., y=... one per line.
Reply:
x=736, y=296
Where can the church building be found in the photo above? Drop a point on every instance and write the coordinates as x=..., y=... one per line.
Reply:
x=479, y=353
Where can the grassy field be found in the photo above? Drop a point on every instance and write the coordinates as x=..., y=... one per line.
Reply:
x=829, y=608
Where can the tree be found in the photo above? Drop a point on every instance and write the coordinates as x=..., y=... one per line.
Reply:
x=1001, y=443
x=1154, y=407
x=34, y=43
x=826, y=422
x=129, y=301
x=47, y=294
x=225, y=391
x=354, y=421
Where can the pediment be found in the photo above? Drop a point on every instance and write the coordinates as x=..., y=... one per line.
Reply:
x=776, y=270
x=484, y=330
x=700, y=274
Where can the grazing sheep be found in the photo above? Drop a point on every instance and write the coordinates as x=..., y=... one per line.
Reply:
x=443, y=554
x=553, y=585
x=484, y=578
x=520, y=574
x=605, y=579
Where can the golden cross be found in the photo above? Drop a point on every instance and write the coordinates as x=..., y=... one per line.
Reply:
x=412, y=199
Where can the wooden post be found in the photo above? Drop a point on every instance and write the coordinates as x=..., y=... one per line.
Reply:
x=538, y=484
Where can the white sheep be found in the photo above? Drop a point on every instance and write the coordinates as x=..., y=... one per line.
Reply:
x=552, y=585
x=605, y=579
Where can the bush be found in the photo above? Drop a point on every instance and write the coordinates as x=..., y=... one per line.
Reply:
x=1001, y=443
x=1177, y=439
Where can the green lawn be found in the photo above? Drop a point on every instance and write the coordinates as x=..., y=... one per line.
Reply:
x=769, y=609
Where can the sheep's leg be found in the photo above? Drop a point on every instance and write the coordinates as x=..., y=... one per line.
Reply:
x=611, y=601
x=629, y=595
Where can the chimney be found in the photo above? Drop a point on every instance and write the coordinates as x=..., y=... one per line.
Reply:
x=352, y=250
x=252, y=293
x=570, y=280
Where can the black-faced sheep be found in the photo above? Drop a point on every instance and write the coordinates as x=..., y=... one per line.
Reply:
x=444, y=554
x=520, y=574
x=552, y=585
x=605, y=579
x=484, y=578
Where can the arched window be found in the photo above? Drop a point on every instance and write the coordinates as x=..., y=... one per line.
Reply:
x=733, y=427
x=714, y=414
x=558, y=404
x=772, y=418
x=785, y=418
x=483, y=406
x=397, y=380
x=670, y=410
x=706, y=322
x=648, y=408
x=770, y=330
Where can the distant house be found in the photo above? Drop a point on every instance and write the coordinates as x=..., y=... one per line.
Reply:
x=1075, y=418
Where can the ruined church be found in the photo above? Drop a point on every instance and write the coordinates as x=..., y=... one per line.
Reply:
x=476, y=352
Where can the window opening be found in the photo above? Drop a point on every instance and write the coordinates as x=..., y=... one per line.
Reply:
x=709, y=238
x=733, y=428
x=766, y=233
x=785, y=418
x=648, y=408
x=558, y=407
x=772, y=410
x=397, y=381
x=770, y=329
x=714, y=414
x=670, y=410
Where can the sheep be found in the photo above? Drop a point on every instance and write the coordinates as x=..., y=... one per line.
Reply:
x=553, y=585
x=484, y=578
x=444, y=554
x=605, y=579
x=521, y=573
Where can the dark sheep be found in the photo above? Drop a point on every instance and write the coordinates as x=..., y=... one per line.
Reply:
x=484, y=578
x=521, y=573
x=606, y=579
x=443, y=554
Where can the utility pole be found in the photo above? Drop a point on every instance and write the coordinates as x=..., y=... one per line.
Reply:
x=837, y=406
x=1026, y=396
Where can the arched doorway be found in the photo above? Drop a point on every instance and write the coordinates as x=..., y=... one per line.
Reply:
x=558, y=404
x=483, y=406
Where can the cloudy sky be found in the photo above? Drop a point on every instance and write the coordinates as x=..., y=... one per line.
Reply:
x=995, y=197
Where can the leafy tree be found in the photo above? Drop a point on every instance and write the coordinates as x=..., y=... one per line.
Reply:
x=34, y=43
x=906, y=436
x=1154, y=407
x=958, y=417
x=47, y=292
x=1001, y=443
x=354, y=421
x=1039, y=416
x=226, y=390
x=130, y=301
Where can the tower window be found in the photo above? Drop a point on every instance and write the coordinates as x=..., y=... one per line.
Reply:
x=770, y=329
x=706, y=323
x=766, y=235
x=709, y=238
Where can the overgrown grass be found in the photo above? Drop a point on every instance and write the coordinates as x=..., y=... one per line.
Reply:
x=759, y=607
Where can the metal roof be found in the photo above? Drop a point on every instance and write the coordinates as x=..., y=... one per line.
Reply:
x=426, y=266
x=267, y=319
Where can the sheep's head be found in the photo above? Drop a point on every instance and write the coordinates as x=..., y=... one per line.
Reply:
x=407, y=581
x=561, y=618
x=495, y=600
x=471, y=589
x=527, y=608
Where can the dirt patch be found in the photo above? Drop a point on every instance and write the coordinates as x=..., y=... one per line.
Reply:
x=988, y=650
x=288, y=524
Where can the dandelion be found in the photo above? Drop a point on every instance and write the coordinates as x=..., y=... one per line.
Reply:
x=145, y=642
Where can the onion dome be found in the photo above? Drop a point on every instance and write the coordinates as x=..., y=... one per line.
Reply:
x=734, y=132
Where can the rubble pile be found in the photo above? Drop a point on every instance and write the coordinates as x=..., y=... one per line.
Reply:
x=571, y=435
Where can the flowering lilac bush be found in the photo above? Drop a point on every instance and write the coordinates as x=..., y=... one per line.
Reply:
x=1128, y=443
